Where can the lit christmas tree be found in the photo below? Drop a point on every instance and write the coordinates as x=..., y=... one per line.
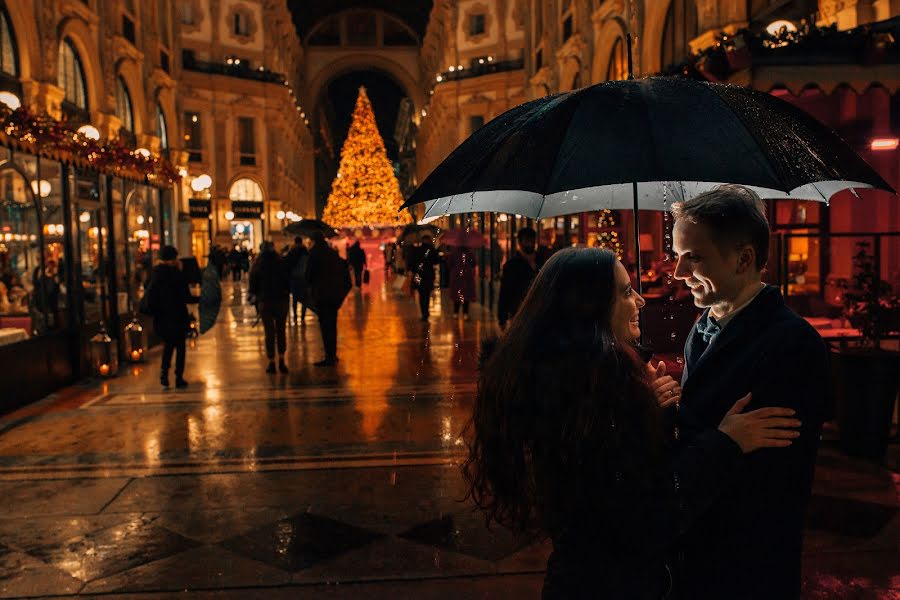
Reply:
x=365, y=191
x=608, y=237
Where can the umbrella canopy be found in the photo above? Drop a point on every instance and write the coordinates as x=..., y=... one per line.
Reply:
x=462, y=237
x=583, y=150
x=307, y=227
x=210, y=298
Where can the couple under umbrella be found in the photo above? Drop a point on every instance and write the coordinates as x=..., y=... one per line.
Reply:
x=651, y=487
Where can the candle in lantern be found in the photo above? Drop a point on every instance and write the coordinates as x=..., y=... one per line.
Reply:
x=135, y=355
x=104, y=369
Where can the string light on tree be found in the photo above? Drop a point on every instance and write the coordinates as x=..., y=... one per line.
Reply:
x=608, y=237
x=365, y=191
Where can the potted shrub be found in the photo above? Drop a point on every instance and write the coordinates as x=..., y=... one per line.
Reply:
x=866, y=376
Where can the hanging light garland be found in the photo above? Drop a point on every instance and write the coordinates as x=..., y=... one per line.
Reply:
x=44, y=135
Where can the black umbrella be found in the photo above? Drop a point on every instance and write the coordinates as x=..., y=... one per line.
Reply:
x=307, y=227
x=675, y=138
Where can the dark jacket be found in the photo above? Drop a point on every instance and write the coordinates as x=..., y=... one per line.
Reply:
x=356, y=256
x=514, y=283
x=747, y=546
x=168, y=297
x=296, y=261
x=270, y=283
x=422, y=261
x=327, y=277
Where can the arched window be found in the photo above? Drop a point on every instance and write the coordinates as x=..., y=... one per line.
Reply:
x=161, y=128
x=70, y=75
x=9, y=64
x=123, y=105
x=618, y=62
x=246, y=190
x=681, y=27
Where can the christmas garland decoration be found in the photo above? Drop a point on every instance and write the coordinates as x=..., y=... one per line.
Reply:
x=866, y=45
x=43, y=135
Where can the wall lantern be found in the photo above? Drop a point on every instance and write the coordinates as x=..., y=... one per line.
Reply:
x=10, y=100
x=229, y=215
x=90, y=132
x=201, y=182
x=880, y=144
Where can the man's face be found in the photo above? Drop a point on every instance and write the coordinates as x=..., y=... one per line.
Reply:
x=712, y=276
x=526, y=245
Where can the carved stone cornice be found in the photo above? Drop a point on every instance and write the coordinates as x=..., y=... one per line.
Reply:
x=544, y=76
x=609, y=9
x=574, y=48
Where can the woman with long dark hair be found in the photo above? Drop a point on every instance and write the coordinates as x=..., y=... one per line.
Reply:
x=568, y=439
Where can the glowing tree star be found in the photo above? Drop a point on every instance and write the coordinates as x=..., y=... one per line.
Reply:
x=365, y=191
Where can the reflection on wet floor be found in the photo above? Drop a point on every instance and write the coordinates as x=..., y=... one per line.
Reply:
x=250, y=485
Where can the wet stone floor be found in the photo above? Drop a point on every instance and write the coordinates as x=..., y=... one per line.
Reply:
x=323, y=483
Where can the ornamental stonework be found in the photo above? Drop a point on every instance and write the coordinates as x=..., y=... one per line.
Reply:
x=474, y=11
x=252, y=25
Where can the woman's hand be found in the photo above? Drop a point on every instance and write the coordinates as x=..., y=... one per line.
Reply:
x=771, y=427
x=665, y=388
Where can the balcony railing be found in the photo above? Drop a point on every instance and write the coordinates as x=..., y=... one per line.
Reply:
x=477, y=70
x=241, y=71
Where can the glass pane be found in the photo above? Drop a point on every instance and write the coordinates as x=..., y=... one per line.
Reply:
x=90, y=241
x=19, y=254
x=50, y=287
x=142, y=238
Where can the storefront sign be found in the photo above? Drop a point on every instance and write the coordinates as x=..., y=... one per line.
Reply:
x=244, y=209
x=200, y=208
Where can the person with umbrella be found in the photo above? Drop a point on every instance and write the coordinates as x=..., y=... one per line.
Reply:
x=518, y=273
x=270, y=285
x=567, y=437
x=295, y=261
x=167, y=300
x=328, y=279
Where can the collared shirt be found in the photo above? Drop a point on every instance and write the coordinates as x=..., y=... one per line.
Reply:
x=723, y=322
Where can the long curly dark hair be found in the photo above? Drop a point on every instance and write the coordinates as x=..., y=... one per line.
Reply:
x=561, y=404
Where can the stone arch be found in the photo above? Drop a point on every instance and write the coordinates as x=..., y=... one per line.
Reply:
x=24, y=31
x=386, y=16
x=82, y=39
x=363, y=61
x=651, y=46
x=252, y=177
x=613, y=29
x=130, y=72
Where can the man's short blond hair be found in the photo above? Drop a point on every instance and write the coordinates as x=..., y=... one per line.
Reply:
x=735, y=216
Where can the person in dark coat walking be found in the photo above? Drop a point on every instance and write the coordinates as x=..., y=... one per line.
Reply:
x=356, y=256
x=296, y=261
x=422, y=260
x=518, y=273
x=748, y=545
x=568, y=437
x=328, y=279
x=270, y=285
x=168, y=297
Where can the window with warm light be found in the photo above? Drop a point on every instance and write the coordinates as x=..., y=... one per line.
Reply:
x=123, y=105
x=161, y=129
x=193, y=136
x=9, y=64
x=70, y=76
x=618, y=62
x=245, y=190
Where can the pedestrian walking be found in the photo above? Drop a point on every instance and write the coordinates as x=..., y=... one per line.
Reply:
x=328, y=279
x=234, y=263
x=356, y=256
x=296, y=260
x=270, y=285
x=461, y=265
x=518, y=273
x=167, y=300
x=422, y=260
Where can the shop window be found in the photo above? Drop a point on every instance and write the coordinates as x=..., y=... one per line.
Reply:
x=51, y=293
x=9, y=64
x=193, y=136
x=20, y=256
x=123, y=105
x=246, y=141
x=141, y=243
x=90, y=240
x=70, y=76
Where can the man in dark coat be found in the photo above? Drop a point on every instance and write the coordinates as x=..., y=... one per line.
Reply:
x=356, y=256
x=518, y=273
x=327, y=278
x=168, y=297
x=421, y=264
x=270, y=285
x=747, y=546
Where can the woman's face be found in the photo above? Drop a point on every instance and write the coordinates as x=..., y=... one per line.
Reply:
x=626, y=307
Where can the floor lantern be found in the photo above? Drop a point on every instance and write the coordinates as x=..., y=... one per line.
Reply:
x=135, y=341
x=104, y=354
